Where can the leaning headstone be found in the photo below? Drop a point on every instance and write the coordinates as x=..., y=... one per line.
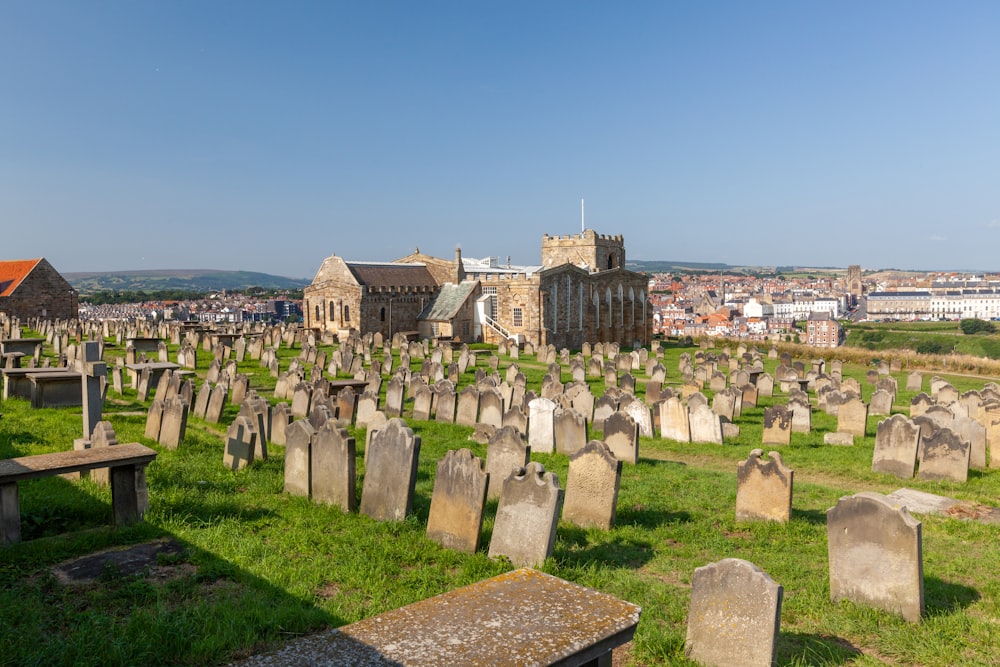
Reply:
x=896, y=442
x=592, y=486
x=298, y=457
x=458, y=501
x=734, y=615
x=541, y=426
x=154, y=419
x=216, y=403
x=391, y=473
x=241, y=444
x=525, y=526
x=506, y=453
x=777, y=425
x=201, y=402
x=945, y=456
x=876, y=555
x=332, y=465
x=764, y=488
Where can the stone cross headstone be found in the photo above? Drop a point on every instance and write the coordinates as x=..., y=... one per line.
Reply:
x=764, y=488
x=391, y=472
x=525, y=526
x=734, y=615
x=458, y=501
x=592, y=486
x=876, y=555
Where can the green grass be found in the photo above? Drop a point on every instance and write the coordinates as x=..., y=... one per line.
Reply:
x=259, y=566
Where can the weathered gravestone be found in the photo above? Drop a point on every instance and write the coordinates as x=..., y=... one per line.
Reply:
x=896, y=442
x=876, y=555
x=422, y=400
x=525, y=527
x=880, y=403
x=914, y=381
x=390, y=473
x=490, y=408
x=445, y=404
x=641, y=415
x=174, y=423
x=706, y=425
x=801, y=415
x=366, y=406
x=734, y=615
x=298, y=457
x=853, y=417
x=154, y=420
x=458, y=501
x=570, y=430
x=777, y=425
x=971, y=431
x=764, y=488
x=621, y=435
x=592, y=486
x=281, y=417
x=944, y=456
x=541, y=425
x=506, y=453
x=241, y=444
x=674, y=423
x=216, y=403
x=395, y=395
x=333, y=467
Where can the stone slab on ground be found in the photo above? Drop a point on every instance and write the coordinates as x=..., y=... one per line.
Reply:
x=139, y=559
x=921, y=502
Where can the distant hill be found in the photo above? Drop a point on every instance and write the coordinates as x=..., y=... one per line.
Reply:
x=194, y=280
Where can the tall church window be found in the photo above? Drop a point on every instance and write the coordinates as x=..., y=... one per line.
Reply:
x=347, y=313
x=518, y=317
x=382, y=314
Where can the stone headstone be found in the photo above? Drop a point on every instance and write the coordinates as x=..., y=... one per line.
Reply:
x=216, y=403
x=570, y=430
x=458, y=501
x=641, y=415
x=621, y=435
x=506, y=453
x=395, y=395
x=444, y=410
x=298, y=457
x=734, y=615
x=333, y=467
x=154, y=420
x=525, y=527
x=592, y=486
x=875, y=555
x=945, y=456
x=241, y=444
x=777, y=425
x=541, y=425
x=467, y=413
x=706, y=425
x=896, y=442
x=852, y=417
x=914, y=381
x=880, y=403
x=366, y=406
x=281, y=418
x=174, y=424
x=764, y=488
x=674, y=423
x=391, y=472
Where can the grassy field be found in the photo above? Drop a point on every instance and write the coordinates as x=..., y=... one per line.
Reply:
x=259, y=567
x=941, y=338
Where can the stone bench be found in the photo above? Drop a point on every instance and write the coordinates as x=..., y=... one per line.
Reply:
x=61, y=389
x=523, y=618
x=129, y=499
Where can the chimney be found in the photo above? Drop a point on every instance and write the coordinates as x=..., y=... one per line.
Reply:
x=459, y=268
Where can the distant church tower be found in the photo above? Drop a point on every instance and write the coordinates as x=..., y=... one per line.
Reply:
x=854, y=284
x=588, y=249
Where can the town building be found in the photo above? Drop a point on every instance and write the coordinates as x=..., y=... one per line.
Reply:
x=580, y=292
x=823, y=331
x=32, y=288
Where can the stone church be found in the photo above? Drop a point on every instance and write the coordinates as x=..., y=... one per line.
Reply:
x=33, y=288
x=580, y=292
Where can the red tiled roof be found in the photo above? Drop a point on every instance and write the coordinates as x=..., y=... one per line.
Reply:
x=12, y=272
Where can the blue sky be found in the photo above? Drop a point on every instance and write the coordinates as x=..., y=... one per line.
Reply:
x=265, y=136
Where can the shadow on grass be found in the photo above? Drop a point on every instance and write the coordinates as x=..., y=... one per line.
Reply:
x=574, y=547
x=816, y=517
x=944, y=597
x=649, y=518
x=800, y=648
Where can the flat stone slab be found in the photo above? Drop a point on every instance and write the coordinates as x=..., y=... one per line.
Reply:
x=921, y=502
x=131, y=561
x=522, y=618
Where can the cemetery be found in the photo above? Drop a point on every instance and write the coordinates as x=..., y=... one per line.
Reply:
x=283, y=495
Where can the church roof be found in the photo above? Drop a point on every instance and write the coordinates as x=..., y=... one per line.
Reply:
x=13, y=272
x=388, y=274
x=445, y=305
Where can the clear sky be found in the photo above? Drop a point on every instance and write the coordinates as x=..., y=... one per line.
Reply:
x=265, y=136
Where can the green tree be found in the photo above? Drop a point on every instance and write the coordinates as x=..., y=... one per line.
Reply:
x=970, y=326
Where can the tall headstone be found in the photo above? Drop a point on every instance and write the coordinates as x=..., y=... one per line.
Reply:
x=174, y=424
x=945, y=456
x=298, y=457
x=896, y=442
x=777, y=425
x=674, y=422
x=592, y=486
x=458, y=501
x=621, y=435
x=93, y=372
x=876, y=555
x=525, y=527
x=734, y=615
x=333, y=467
x=706, y=425
x=391, y=473
x=506, y=453
x=541, y=426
